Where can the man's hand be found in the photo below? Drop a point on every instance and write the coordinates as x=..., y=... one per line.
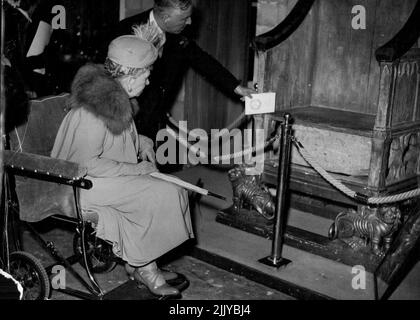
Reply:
x=244, y=92
x=31, y=94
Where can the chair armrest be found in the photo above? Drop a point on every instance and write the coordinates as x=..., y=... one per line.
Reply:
x=46, y=168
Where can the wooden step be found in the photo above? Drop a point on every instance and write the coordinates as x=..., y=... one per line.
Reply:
x=309, y=276
x=301, y=239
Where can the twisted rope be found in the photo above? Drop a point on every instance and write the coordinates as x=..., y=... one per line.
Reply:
x=353, y=194
x=396, y=198
x=238, y=121
x=248, y=151
x=226, y=157
x=235, y=124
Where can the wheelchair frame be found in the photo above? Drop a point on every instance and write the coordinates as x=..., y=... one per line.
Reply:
x=96, y=293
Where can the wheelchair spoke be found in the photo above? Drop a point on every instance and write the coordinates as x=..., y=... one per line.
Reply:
x=29, y=272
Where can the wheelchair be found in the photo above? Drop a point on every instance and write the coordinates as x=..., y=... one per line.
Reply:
x=37, y=187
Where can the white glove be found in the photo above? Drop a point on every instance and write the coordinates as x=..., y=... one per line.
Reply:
x=148, y=155
x=146, y=167
x=146, y=152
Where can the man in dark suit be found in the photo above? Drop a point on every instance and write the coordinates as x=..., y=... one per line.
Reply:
x=164, y=26
x=27, y=33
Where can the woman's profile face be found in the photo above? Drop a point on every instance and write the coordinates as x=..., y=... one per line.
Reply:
x=134, y=85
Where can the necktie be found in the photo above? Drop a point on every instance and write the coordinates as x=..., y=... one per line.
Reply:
x=159, y=42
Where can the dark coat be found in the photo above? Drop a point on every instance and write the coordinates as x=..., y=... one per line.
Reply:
x=179, y=53
x=19, y=34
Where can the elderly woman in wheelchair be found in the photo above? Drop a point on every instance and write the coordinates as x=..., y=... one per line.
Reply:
x=141, y=216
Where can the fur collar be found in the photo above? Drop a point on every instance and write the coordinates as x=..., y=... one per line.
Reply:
x=104, y=97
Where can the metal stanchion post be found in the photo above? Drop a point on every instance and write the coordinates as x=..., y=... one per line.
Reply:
x=275, y=259
x=4, y=253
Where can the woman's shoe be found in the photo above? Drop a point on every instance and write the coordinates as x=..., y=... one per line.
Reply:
x=167, y=275
x=150, y=276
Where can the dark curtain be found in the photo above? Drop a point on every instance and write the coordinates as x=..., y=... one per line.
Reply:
x=83, y=40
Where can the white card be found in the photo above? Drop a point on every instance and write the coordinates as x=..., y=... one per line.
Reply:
x=260, y=103
x=41, y=39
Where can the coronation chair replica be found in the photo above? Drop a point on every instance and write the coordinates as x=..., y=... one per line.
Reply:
x=355, y=107
x=37, y=188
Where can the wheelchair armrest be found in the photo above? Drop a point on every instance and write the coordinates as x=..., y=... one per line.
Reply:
x=46, y=168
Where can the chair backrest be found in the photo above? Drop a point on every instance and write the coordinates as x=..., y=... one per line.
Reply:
x=38, y=133
x=40, y=199
x=327, y=62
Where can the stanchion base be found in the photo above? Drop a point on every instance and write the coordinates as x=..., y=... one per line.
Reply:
x=277, y=263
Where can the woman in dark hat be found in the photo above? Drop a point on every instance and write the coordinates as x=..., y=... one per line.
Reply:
x=143, y=217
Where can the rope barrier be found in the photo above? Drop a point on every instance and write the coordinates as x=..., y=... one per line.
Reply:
x=235, y=123
x=340, y=186
x=247, y=151
x=227, y=157
x=306, y=155
x=396, y=198
x=238, y=121
x=187, y=145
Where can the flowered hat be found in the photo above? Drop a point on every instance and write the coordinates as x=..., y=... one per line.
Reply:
x=127, y=54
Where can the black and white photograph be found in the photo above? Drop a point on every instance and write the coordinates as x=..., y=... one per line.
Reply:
x=218, y=157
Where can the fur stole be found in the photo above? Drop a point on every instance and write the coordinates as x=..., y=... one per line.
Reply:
x=102, y=96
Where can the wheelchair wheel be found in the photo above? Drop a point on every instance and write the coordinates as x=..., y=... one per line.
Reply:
x=99, y=252
x=28, y=270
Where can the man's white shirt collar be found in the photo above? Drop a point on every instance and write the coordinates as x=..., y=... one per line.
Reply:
x=153, y=20
x=25, y=14
x=162, y=35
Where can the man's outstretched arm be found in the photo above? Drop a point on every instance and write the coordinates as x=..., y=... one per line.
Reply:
x=212, y=69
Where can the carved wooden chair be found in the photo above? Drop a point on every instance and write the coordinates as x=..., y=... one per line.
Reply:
x=375, y=152
x=355, y=102
x=355, y=106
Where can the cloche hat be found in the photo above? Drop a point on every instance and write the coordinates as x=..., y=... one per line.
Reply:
x=131, y=51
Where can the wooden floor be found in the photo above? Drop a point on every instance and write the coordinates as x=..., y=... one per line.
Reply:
x=207, y=282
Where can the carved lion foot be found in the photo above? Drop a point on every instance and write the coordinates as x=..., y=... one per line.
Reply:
x=355, y=243
x=377, y=251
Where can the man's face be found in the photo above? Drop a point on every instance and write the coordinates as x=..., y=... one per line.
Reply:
x=14, y=3
x=176, y=19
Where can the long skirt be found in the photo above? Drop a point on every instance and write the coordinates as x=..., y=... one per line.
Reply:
x=142, y=216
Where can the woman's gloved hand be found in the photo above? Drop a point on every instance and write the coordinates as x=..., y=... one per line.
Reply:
x=148, y=154
x=146, y=167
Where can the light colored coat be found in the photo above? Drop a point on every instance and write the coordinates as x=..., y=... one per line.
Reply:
x=143, y=217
